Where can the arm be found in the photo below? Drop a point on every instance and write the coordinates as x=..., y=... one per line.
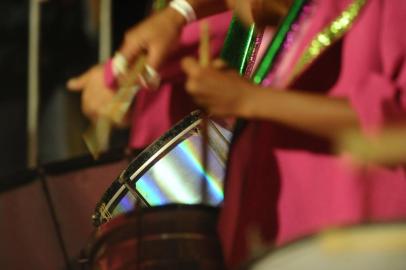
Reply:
x=225, y=93
x=313, y=113
x=159, y=35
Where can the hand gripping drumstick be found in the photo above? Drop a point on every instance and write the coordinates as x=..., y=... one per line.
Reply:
x=98, y=135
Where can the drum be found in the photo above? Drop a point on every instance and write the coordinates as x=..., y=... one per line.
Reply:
x=363, y=247
x=172, y=236
x=170, y=171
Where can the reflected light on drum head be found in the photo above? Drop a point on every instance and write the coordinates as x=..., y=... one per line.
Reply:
x=174, y=178
x=214, y=181
x=125, y=205
x=170, y=171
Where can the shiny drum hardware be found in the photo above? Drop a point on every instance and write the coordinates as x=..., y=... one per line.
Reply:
x=170, y=171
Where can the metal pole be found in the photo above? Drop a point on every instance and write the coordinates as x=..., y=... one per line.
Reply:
x=105, y=31
x=32, y=113
x=33, y=83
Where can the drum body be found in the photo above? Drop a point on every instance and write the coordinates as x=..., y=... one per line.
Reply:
x=163, y=237
x=363, y=247
x=170, y=171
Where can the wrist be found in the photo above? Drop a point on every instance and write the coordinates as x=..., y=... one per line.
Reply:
x=175, y=18
x=250, y=101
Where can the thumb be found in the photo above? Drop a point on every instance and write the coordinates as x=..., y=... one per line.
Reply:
x=78, y=83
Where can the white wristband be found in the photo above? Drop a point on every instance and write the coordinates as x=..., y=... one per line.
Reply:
x=184, y=8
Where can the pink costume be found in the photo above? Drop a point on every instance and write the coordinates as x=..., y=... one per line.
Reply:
x=157, y=111
x=285, y=183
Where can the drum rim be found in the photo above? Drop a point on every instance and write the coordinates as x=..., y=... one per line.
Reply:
x=142, y=160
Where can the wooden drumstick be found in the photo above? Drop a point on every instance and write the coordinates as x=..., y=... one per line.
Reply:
x=204, y=46
x=204, y=61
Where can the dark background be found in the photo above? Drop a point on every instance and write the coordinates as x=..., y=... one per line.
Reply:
x=69, y=45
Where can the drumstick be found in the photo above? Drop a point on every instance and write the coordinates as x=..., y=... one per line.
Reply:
x=204, y=61
x=96, y=137
x=204, y=46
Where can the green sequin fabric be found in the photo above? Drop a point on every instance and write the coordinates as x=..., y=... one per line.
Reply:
x=329, y=35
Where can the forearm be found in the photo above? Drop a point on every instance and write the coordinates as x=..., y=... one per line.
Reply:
x=316, y=114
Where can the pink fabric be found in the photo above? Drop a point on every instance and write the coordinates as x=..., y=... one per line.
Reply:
x=157, y=111
x=367, y=79
x=285, y=183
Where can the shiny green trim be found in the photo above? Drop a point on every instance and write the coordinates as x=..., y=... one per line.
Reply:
x=238, y=45
x=274, y=48
x=249, y=48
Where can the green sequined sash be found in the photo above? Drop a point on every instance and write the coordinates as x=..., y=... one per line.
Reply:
x=275, y=46
x=334, y=31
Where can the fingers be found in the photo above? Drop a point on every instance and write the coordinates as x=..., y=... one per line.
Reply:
x=155, y=57
x=135, y=44
x=190, y=66
x=131, y=52
x=130, y=48
x=78, y=83
x=194, y=72
x=219, y=64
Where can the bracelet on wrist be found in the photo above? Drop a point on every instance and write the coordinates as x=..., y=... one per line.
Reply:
x=185, y=9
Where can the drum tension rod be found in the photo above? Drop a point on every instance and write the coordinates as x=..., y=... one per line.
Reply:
x=125, y=180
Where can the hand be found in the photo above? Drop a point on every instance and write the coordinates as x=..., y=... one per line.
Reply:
x=95, y=94
x=157, y=36
x=221, y=91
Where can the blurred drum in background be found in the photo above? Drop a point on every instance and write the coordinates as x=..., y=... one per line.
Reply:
x=362, y=247
x=170, y=171
x=172, y=236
